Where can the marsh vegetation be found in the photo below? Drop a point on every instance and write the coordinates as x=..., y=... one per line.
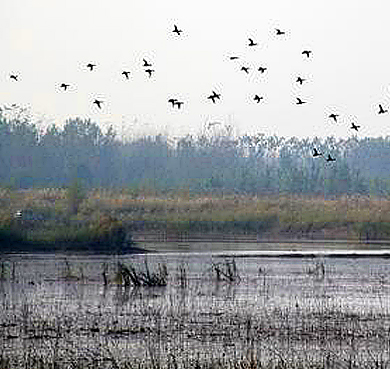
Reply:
x=193, y=311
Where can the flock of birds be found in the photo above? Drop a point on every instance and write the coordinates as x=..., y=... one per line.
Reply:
x=214, y=96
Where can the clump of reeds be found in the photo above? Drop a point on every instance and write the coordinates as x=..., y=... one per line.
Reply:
x=226, y=271
x=318, y=270
x=182, y=276
x=129, y=275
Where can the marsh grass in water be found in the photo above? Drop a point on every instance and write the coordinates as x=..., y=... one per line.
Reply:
x=283, y=313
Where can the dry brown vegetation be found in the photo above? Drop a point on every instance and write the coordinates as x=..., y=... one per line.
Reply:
x=276, y=217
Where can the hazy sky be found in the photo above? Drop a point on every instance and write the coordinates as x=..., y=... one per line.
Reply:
x=48, y=42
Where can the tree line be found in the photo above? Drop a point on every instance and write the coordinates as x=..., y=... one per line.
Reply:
x=213, y=160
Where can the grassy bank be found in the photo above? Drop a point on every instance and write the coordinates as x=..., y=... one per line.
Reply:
x=105, y=217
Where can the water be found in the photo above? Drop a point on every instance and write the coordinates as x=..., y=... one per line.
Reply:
x=58, y=303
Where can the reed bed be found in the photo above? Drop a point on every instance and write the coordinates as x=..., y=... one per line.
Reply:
x=252, y=316
x=57, y=212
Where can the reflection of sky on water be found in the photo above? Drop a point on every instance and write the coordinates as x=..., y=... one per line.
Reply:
x=269, y=286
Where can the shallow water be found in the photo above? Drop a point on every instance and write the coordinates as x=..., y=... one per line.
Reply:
x=276, y=294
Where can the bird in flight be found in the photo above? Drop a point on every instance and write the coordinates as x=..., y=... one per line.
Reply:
x=176, y=30
x=233, y=57
x=258, y=98
x=245, y=69
x=329, y=158
x=214, y=96
x=381, y=110
x=172, y=101
x=306, y=52
x=149, y=71
x=354, y=126
x=300, y=80
x=64, y=86
x=91, y=66
x=251, y=42
x=279, y=32
x=146, y=63
x=262, y=69
x=300, y=102
x=178, y=103
x=334, y=116
x=98, y=103
x=14, y=77
x=126, y=74
x=316, y=153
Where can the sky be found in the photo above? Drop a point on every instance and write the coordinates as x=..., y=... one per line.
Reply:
x=49, y=42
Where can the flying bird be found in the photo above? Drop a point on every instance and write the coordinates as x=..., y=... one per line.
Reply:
x=214, y=96
x=176, y=30
x=251, y=42
x=381, y=110
x=149, y=71
x=300, y=80
x=172, y=101
x=64, y=86
x=14, y=77
x=307, y=52
x=262, y=69
x=98, y=103
x=146, y=63
x=233, y=57
x=316, y=153
x=179, y=104
x=91, y=66
x=126, y=74
x=354, y=126
x=279, y=32
x=245, y=69
x=300, y=102
x=334, y=116
x=329, y=158
x=258, y=98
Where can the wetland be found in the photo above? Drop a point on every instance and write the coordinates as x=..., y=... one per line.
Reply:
x=194, y=310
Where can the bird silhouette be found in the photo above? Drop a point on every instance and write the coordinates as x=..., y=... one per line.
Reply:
x=329, y=158
x=91, y=66
x=354, y=126
x=316, y=153
x=334, y=116
x=307, y=52
x=179, y=104
x=279, y=32
x=64, y=86
x=14, y=77
x=126, y=74
x=149, y=71
x=258, y=98
x=300, y=80
x=98, y=103
x=251, y=42
x=262, y=69
x=176, y=30
x=381, y=110
x=214, y=96
x=245, y=69
x=300, y=102
x=172, y=101
x=146, y=63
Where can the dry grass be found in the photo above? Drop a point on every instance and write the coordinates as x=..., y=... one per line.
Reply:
x=355, y=216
